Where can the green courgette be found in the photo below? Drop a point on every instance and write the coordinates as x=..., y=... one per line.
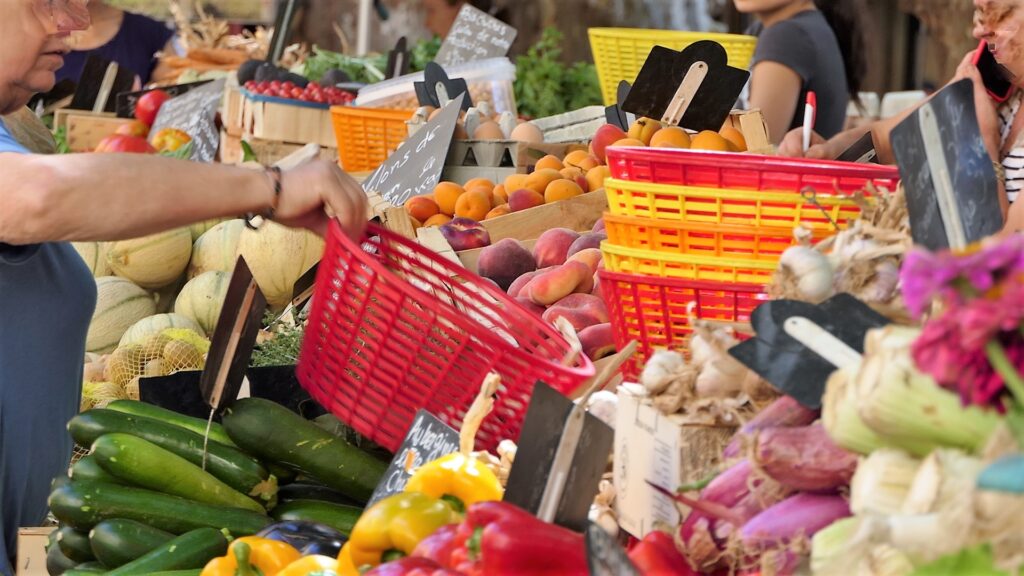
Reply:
x=195, y=572
x=275, y=433
x=85, y=568
x=74, y=544
x=56, y=561
x=117, y=542
x=59, y=481
x=86, y=504
x=310, y=491
x=144, y=464
x=188, y=551
x=230, y=465
x=338, y=516
x=87, y=468
x=196, y=425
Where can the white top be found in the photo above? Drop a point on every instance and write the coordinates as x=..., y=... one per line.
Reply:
x=1013, y=162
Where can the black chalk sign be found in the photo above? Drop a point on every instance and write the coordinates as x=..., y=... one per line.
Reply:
x=415, y=167
x=475, y=35
x=196, y=114
x=427, y=440
x=605, y=557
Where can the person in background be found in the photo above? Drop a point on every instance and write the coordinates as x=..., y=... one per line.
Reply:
x=805, y=46
x=440, y=14
x=1000, y=24
x=131, y=40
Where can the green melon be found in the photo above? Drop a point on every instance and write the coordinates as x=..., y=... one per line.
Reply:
x=119, y=305
x=202, y=298
x=217, y=249
x=152, y=261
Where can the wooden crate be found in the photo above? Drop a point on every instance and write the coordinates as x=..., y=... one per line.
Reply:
x=232, y=112
x=287, y=123
x=267, y=151
x=32, y=551
x=755, y=131
x=85, y=129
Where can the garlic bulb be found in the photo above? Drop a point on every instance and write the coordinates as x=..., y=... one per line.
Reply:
x=662, y=368
x=807, y=271
x=604, y=405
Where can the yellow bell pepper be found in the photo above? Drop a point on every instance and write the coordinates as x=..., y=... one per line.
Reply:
x=311, y=566
x=252, y=556
x=170, y=139
x=456, y=477
x=392, y=528
x=346, y=567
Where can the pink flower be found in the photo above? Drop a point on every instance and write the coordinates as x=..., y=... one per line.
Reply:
x=924, y=276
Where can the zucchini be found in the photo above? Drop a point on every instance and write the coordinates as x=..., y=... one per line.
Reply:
x=188, y=551
x=86, y=504
x=338, y=516
x=283, y=474
x=197, y=425
x=56, y=561
x=196, y=572
x=309, y=491
x=298, y=443
x=230, y=465
x=119, y=541
x=74, y=544
x=87, y=568
x=59, y=481
x=87, y=468
x=142, y=463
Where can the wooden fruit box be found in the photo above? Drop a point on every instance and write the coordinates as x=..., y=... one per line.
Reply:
x=267, y=151
x=755, y=131
x=85, y=129
x=293, y=123
x=232, y=114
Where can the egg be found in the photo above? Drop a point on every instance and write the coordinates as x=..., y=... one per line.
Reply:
x=488, y=131
x=460, y=132
x=528, y=132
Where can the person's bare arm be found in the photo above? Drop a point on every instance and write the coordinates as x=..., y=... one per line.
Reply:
x=775, y=89
x=115, y=196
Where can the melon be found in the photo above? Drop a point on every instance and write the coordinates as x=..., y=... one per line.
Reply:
x=200, y=228
x=119, y=305
x=95, y=256
x=217, y=249
x=165, y=296
x=152, y=261
x=202, y=298
x=278, y=256
x=143, y=329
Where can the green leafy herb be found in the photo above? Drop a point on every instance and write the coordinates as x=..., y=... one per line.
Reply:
x=60, y=138
x=182, y=153
x=282, y=349
x=248, y=155
x=423, y=53
x=545, y=87
x=367, y=69
x=976, y=562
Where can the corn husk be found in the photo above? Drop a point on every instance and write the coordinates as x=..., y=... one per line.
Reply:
x=841, y=416
x=945, y=484
x=882, y=481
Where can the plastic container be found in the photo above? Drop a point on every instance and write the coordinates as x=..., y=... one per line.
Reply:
x=687, y=266
x=620, y=53
x=654, y=311
x=395, y=328
x=367, y=136
x=489, y=80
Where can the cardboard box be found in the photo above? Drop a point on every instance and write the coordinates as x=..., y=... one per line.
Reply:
x=32, y=551
x=659, y=448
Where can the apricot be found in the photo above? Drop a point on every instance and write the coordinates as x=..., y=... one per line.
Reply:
x=575, y=157
x=446, y=194
x=474, y=204
x=515, y=182
x=437, y=220
x=628, y=142
x=499, y=195
x=571, y=172
x=735, y=137
x=580, y=309
x=553, y=285
x=538, y=181
x=505, y=261
x=499, y=210
x=671, y=137
x=708, y=140
x=561, y=190
x=479, y=183
x=524, y=198
x=596, y=177
x=552, y=248
x=644, y=129
x=598, y=341
x=421, y=207
x=549, y=162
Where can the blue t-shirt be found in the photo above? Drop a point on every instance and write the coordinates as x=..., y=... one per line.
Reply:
x=47, y=297
x=133, y=47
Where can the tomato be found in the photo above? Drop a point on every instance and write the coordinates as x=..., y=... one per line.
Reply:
x=149, y=105
x=125, y=143
x=133, y=128
x=170, y=139
x=295, y=92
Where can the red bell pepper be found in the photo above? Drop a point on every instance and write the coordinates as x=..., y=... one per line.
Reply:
x=440, y=545
x=656, y=555
x=411, y=566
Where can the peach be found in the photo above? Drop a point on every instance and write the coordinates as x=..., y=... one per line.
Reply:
x=553, y=285
x=479, y=183
x=515, y=182
x=499, y=195
x=421, y=207
x=599, y=226
x=465, y=234
x=516, y=288
x=605, y=136
x=590, y=256
x=536, y=309
x=585, y=241
x=581, y=310
x=549, y=162
x=596, y=291
x=505, y=261
x=552, y=247
x=643, y=130
x=446, y=194
x=474, y=204
x=598, y=341
x=596, y=177
x=499, y=210
x=561, y=190
x=524, y=198
x=587, y=285
x=539, y=180
x=437, y=220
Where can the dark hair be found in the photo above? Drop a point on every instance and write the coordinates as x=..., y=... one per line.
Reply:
x=846, y=19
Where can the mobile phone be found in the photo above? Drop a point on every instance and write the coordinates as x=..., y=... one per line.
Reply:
x=994, y=76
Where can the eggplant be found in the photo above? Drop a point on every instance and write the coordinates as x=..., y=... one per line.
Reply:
x=307, y=537
x=247, y=71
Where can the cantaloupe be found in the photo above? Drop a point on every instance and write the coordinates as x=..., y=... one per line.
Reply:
x=165, y=296
x=200, y=228
x=95, y=256
x=217, y=249
x=278, y=256
x=152, y=261
x=119, y=305
x=202, y=298
x=143, y=329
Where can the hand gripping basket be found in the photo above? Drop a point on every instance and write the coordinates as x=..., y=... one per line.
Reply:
x=394, y=328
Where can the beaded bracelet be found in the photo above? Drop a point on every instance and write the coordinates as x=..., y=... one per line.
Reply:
x=274, y=174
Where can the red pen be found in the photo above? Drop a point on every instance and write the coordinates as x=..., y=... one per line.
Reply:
x=810, y=115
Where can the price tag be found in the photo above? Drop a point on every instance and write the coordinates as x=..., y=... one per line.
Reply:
x=427, y=440
x=475, y=35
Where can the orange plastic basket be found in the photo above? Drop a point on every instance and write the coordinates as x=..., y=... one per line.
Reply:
x=367, y=136
x=700, y=239
x=730, y=207
x=688, y=266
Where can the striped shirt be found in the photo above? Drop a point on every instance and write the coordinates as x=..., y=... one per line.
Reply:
x=1013, y=162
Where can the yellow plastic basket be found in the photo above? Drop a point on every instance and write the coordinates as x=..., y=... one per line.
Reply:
x=619, y=53
x=367, y=136
x=687, y=266
x=751, y=208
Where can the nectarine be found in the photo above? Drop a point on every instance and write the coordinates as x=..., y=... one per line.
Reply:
x=552, y=246
x=505, y=261
x=605, y=136
x=524, y=198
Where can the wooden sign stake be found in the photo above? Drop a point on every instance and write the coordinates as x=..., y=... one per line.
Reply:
x=684, y=94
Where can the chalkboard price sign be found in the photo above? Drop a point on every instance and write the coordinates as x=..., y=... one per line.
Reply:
x=604, y=555
x=427, y=440
x=196, y=114
x=415, y=167
x=475, y=35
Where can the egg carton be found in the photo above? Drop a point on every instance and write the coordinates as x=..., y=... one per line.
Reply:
x=575, y=126
x=501, y=153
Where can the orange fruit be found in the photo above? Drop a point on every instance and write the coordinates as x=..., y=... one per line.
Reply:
x=735, y=137
x=446, y=194
x=709, y=140
x=549, y=162
x=479, y=183
x=596, y=176
x=437, y=220
x=671, y=137
x=421, y=207
x=539, y=180
x=561, y=190
x=499, y=210
x=474, y=204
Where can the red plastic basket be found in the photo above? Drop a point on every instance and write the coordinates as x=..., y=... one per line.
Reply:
x=395, y=328
x=653, y=310
x=744, y=171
